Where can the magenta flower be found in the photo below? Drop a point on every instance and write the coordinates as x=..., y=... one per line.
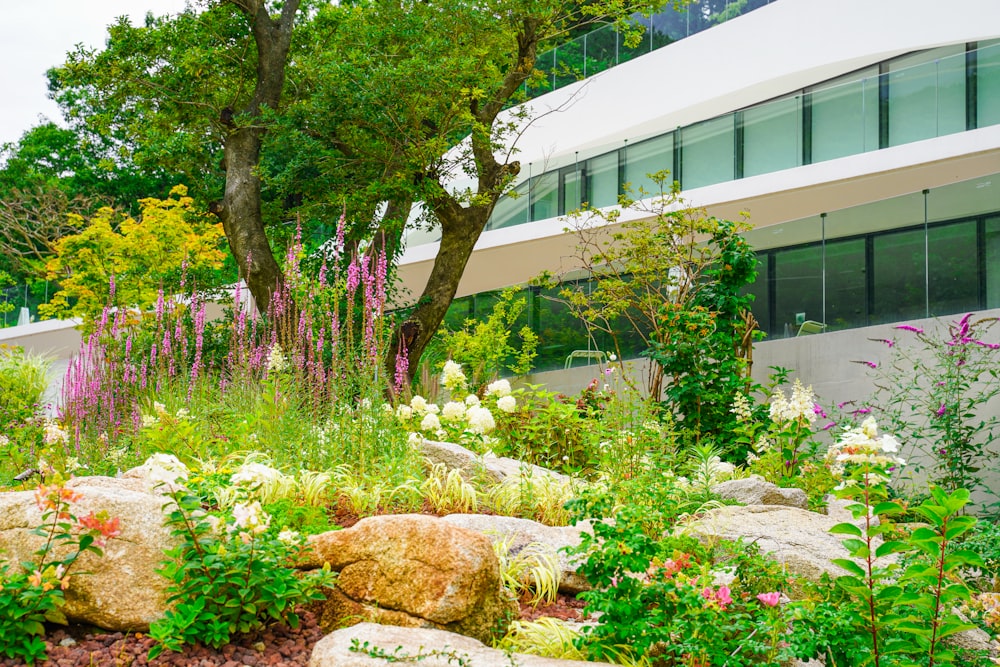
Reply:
x=869, y=364
x=907, y=327
x=769, y=599
x=940, y=411
x=721, y=596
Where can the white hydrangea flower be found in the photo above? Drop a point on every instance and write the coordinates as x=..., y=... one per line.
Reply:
x=480, y=420
x=433, y=409
x=430, y=422
x=53, y=433
x=250, y=517
x=498, y=388
x=288, y=537
x=276, y=361
x=799, y=406
x=507, y=403
x=404, y=412
x=253, y=474
x=418, y=404
x=163, y=469
x=453, y=411
x=452, y=376
x=415, y=439
x=471, y=400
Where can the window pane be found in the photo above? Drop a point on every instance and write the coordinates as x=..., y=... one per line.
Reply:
x=510, y=210
x=845, y=284
x=601, y=48
x=602, y=180
x=559, y=332
x=772, y=137
x=761, y=307
x=993, y=262
x=798, y=287
x=988, y=84
x=899, y=277
x=845, y=116
x=569, y=62
x=927, y=95
x=544, y=196
x=572, y=190
x=649, y=157
x=708, y=153
x=954, y=268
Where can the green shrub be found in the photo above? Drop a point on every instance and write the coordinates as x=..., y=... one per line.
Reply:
x=22, y=385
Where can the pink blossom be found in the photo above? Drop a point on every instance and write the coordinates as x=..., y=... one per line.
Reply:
x=769, y=599
x=721, y=596
x=907, y=327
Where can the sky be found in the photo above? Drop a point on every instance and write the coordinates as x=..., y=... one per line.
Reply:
x=36, y=35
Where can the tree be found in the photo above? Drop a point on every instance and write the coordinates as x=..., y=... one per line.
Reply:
x=389, y=102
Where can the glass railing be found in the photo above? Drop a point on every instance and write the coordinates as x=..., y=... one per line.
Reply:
x=604, y=47
x=914, y=97
x=19, y=303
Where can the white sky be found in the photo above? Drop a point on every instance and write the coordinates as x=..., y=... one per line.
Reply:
x=36, y=35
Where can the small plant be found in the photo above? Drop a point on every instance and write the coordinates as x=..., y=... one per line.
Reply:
x=533, y=572
x=933, y=393
x=33, y=594
x=228, y=577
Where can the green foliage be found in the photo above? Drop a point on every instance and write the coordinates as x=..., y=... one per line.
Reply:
x=484, y=346
x=33, y=594
x=23, y=380
x=546, y=429
x=983, y=540
x=229, y=579
x=934, y=392
x=683, y=296
x=305, y=519
x=660, y=603
x=132, y=260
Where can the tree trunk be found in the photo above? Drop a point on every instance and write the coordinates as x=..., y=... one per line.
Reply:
x=240, y=210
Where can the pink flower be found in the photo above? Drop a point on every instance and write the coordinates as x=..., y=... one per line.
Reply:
x=769, y=599
x=907, y=327
x=722, y=596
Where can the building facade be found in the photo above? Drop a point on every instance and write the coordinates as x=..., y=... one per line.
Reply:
x=863, y=140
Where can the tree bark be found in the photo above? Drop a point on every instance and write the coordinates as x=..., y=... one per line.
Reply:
x=240, y=209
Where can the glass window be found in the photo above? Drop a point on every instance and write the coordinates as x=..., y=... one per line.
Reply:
x=798, y=288
x=569, y=62
x=772, y=137
x=601, y=49
x=708, y=152
x=649, y=157
x=845, y=116
x=510, y=210
x=899, y=283
x=988, y=84
x=761, y=306
x=545, y=196
x=954, y=268
x=927, y=95
x=845, y=284
x=572, y=190
x=993, y=262
x=602, y=180
x=559, y=331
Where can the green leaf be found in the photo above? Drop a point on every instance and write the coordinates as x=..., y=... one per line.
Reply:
x=847, y=529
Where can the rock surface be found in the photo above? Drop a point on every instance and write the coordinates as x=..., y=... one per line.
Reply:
x=475, y=466
x=121, y=591
x=519, y=533
x=428, y=648
x=413, y=570
x=798, y=538
x=755, y=490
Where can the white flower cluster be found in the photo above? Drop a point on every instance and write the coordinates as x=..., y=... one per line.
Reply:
x=160, y=412
x=163, y=469
x=480, y=420
x=799, y=406
x=499, y=388
x=253, y=475
x=250, y=519
x=452, y=377
x=864, y=445
x=742, y=408
x=53, y=433
x=276, y=360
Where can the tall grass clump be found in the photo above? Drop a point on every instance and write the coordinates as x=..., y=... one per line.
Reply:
x=305, y=382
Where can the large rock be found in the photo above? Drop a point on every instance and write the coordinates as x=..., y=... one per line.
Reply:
x=413, y=570
x=755, y=490
x=798, y=538
x=476, y=466
x=519, y=533
x=427, y=648
x=121, y=590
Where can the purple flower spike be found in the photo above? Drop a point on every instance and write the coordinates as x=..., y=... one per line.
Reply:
x=940, y=411
x=829, y=426
x=907, y=327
